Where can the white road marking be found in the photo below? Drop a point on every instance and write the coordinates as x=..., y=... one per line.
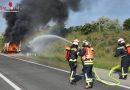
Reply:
x=124, y=86
x=38, y=64
x=10, y=82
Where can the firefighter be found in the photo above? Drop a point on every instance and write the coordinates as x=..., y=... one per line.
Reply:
x=121, y=51
x=87, y=57
x=73, y=60
x=83, y=45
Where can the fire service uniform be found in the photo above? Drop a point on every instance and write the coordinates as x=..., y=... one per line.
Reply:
x=73, y=61
x=122, y=52
x=87, y=57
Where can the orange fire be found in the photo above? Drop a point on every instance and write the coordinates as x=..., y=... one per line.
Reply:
x=11, y=48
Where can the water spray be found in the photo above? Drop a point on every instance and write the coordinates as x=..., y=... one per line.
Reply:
x=39, y=42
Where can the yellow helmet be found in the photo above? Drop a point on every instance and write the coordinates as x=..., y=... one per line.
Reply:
x=127, y=45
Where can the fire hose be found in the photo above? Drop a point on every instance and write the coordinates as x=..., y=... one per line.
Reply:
x=116, y=81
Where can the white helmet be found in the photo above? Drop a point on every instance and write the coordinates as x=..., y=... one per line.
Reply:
x=121, y=40
x=86, y=43
x=75, y=43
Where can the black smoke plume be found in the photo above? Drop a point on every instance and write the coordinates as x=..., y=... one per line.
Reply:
x=34, y=13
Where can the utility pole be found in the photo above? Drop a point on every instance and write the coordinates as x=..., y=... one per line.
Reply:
x=99, y=26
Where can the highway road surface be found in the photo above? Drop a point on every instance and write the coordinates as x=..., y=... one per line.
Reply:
x=17, y=74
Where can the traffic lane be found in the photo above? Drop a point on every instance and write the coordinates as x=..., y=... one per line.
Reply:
x=35, y=77
x=4, y=85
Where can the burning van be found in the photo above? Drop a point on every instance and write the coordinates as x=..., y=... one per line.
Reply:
x=11, y=48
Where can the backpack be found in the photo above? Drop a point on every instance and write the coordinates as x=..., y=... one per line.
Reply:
x=67, y=52
x=89, y=54
x=128, y=50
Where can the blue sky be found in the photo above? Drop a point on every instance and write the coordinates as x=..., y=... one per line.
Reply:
x=90, y=11
x=110, y=8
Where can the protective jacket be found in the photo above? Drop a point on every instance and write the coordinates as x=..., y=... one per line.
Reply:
x=121, y=50
x=87, y=58
x=73, y=62
x=87, y=54
x=73, y=52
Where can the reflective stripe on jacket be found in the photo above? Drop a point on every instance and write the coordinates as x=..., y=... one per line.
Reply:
x=88, y=62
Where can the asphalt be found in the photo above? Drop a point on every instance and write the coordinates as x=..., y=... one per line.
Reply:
x=30, y=76
x=4, y=85
x=104, y=75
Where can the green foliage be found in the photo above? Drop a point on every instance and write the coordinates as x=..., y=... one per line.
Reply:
x=103, y=23
x=126, y=24
x=108, y=24
x=1, y=42
x=87, y=28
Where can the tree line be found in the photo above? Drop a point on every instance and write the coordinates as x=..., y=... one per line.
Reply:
x=103, y=23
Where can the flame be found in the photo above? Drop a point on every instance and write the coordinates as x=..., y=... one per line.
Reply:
x=11, y=48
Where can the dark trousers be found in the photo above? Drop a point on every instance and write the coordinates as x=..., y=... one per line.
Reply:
x=88, y=73
x=73, y=66
x=124, y=65
x=82, y=65
x=129, y=59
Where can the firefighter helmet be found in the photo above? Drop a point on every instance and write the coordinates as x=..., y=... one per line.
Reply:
x=76, y=41
x=86, y=43
x=121, y=40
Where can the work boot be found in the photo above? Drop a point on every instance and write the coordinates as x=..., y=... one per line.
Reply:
x=73, y=83
x=125, y=77
x=91, y=84
x=88, y=86
x=120, y=77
